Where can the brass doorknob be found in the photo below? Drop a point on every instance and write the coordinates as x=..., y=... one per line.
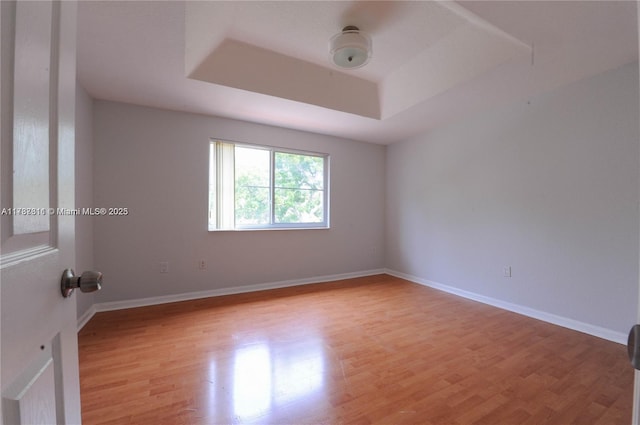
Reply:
x=88, y=281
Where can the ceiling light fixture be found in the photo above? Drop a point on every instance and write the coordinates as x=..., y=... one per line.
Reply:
x=350, y=48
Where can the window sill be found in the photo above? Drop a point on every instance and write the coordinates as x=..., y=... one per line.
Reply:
x=260, y=229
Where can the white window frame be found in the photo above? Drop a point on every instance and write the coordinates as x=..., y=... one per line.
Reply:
x=222, y=188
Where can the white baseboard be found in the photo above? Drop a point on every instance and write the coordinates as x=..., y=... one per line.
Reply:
x=82, y=320
x=565, y=322
x=142, y=302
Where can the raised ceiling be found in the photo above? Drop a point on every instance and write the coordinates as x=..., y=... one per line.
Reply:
x=421, y=50
x=268, y=62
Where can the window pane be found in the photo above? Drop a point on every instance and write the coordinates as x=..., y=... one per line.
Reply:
x=298, y=206
x=299, y=188
x=260, y=187
x=296, y=171
x=252, y=170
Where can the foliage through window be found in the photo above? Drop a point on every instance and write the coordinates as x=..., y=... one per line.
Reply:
x=259, y=187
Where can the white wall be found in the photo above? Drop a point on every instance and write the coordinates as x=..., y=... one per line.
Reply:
x=84, y=192
x=549, y=188
x=155, y=163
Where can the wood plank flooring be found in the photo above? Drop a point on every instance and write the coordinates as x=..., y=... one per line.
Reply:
x=362, y=351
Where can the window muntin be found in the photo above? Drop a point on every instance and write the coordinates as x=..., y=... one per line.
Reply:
x=260, y=187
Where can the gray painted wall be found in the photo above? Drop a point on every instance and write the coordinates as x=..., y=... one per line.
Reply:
x=84, y=192
x=155, y=163
x=549, y=188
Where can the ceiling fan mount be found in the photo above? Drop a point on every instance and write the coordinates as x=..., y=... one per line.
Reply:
x=350, y=48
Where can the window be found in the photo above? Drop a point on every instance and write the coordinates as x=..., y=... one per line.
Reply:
x=259, y=187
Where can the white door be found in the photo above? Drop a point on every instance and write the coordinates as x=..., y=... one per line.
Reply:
x=39, y=351
x=635, y=420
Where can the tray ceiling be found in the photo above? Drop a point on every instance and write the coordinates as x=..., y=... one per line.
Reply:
x=446, y=46
x=268, y=62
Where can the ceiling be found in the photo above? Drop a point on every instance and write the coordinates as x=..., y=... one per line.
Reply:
x=268, y=62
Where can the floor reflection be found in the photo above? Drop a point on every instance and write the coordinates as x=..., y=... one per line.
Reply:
x=252, y=381
x=266, y=377
x=212, y=384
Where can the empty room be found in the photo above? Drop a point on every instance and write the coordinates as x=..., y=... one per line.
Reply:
x=320, y=212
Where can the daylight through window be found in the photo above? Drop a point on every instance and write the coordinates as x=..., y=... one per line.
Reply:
x=259, y=187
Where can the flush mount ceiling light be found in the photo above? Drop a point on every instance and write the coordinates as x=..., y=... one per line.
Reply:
x=350, y=48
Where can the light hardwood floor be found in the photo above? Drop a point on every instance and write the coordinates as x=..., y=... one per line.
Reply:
x=368, y=350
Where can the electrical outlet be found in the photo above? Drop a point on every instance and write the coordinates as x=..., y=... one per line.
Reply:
x=164, y=267
x=506, y=271
x=202, y=265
